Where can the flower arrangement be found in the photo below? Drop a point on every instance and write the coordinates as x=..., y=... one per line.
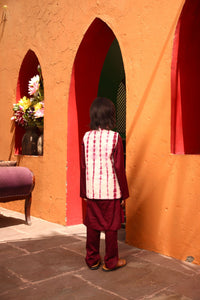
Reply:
x=29, y=112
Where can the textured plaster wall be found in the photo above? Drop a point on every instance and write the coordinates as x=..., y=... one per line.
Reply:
x=53, y=30
x=163, y=211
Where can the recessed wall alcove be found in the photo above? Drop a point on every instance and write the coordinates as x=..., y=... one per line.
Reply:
x=87, y=82
x=185, y=82
x=28, y=69
x=112, y=84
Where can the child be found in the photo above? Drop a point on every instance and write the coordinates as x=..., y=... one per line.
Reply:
x=103, y=185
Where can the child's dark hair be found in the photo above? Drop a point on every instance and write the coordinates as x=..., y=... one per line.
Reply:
x=102, y=114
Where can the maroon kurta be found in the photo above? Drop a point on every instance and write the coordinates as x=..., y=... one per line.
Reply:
x=104, y=215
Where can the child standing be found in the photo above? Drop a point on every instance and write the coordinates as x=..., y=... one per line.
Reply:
x=103, y=185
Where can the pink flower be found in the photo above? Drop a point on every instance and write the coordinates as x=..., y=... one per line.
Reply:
x=33, y=85
x=39, y=113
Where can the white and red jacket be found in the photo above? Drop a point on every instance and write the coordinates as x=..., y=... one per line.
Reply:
x=102, y=166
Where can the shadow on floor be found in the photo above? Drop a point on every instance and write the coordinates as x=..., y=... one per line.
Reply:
x=9, y=221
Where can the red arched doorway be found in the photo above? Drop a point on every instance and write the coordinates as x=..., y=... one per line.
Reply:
x=185, y=80
x=83, y=89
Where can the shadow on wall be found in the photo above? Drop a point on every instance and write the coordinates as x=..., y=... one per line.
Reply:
x=3, y=21
x=151, y=81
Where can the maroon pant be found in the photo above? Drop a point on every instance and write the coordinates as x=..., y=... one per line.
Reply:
x=92, y=248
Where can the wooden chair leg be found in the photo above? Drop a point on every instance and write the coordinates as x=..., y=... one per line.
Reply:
x=28, y=209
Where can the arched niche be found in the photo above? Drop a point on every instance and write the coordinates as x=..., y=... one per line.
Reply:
x=112, y=84
x=28, y=69
x=86, y=73
x=185, y=82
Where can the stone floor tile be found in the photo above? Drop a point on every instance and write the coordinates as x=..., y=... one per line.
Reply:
x=190, y=287
x=44, y=243
x=126, y=250
x=8, y=280
x=11, y=234
x=50, y=264
x=139, y=278
x=169, y=262
x=8, y=251
x=125, y=282
x=62, y=288
x=168, y=295
x=79, y=247
x=45, y=264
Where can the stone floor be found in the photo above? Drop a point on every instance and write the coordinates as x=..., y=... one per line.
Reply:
x=46, y=261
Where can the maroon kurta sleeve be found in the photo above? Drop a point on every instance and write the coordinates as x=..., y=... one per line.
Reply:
x=82, y=173
x=118, y=156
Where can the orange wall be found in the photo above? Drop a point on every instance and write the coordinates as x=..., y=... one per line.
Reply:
x=163, y=209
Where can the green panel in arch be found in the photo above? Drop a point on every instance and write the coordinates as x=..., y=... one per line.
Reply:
x=111, y=78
